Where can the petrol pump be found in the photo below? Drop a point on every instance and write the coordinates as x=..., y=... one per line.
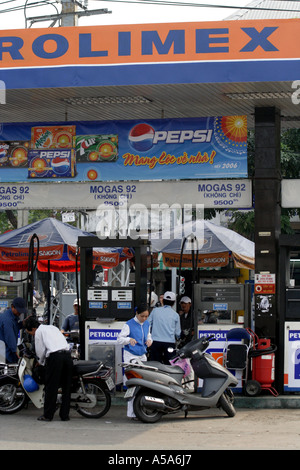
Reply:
x=288, y=336
x=105, y=308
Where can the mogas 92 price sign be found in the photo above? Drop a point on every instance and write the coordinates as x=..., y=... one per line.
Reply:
x=127, y=195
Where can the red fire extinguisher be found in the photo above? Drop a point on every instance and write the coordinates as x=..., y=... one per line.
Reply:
x=262, y=356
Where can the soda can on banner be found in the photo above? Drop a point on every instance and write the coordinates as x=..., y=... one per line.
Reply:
x=51, y=163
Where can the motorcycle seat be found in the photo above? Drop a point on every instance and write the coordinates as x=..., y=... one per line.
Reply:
x=86, y=367
x=166, y=368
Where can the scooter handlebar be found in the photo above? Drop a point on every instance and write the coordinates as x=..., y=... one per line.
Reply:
x=201, y=344
x=25, y=351
x=210, y=337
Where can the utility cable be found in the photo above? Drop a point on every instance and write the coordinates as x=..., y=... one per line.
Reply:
x=200, y=5
x=167, y=3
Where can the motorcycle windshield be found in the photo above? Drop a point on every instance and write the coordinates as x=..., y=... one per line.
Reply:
x=190, y=347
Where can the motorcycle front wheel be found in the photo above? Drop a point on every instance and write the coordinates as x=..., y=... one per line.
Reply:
x=144, y=413
x=226, y=403
x=12, y=396
x=102, y=400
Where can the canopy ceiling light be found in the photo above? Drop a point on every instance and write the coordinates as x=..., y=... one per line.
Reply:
x=263, y=95
x=94, y=100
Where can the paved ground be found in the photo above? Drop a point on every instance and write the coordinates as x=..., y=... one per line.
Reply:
x=267, y=429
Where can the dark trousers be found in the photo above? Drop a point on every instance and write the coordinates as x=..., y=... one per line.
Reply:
x=159, y=352
x=58, y=373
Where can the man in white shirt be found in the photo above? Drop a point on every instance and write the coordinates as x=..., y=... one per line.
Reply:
x=53, y=352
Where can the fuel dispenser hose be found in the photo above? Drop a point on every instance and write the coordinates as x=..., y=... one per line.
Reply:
x=194, y=256
x=262, y=352
x=32, y=264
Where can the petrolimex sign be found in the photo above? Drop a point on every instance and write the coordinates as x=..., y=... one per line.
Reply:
x=49, y=46
x=147, y=48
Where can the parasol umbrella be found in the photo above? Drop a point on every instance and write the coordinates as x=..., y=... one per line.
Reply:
x=213, y=243
x=201, y=243
x=57, y=244
x=52, y=246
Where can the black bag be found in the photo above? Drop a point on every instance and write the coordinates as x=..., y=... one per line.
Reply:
x=38, y=374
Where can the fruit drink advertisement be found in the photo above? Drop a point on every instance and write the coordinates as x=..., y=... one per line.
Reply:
x=166, y=149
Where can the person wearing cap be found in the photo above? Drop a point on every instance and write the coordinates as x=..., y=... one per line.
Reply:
x=165, y=329
x=186, y=321
x=71, y=322
x=10, y=325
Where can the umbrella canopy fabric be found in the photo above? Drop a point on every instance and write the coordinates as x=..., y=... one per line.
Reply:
x=57, y=244
x=213, y=243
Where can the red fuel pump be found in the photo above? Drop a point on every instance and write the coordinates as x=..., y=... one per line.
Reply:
x=262, y=355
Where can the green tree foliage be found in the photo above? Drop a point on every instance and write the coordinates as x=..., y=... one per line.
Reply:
x=243, y=221
x=8, y=219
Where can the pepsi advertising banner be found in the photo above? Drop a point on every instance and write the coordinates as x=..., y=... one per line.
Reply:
x=165, y=149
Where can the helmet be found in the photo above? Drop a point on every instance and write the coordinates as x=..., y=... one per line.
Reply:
x=30, y=384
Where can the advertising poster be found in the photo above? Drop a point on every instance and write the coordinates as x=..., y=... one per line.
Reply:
x=165, y=149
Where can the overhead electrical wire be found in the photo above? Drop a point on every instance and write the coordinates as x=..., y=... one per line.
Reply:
x=158, y=2
x=7, y=1
x=30, y=5
x=199, y=5
x=204, y=5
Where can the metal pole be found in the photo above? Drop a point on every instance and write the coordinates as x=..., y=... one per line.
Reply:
x=68, y=9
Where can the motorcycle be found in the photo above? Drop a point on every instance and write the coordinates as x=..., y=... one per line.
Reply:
x=72, y=338
x=159, y=389
x=91, y=386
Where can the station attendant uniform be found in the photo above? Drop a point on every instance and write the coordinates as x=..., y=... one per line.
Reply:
x=141, y=333
x=165, y=329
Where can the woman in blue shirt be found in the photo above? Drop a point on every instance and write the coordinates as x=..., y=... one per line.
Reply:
x=135, y=336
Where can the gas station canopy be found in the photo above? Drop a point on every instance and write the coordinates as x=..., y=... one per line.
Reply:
x=150, y=71
x=160, y=72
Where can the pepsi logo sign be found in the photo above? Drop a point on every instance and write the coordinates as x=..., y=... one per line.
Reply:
x=54, y=153
x=143, y=137
x=60, y=165
x=60, y=161
x=3, y=152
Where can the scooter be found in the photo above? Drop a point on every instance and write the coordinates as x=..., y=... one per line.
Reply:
x=91, y=386
x=157, y=389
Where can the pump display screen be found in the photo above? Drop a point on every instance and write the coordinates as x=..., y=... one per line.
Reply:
x=110, y=302
x=220, y=297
